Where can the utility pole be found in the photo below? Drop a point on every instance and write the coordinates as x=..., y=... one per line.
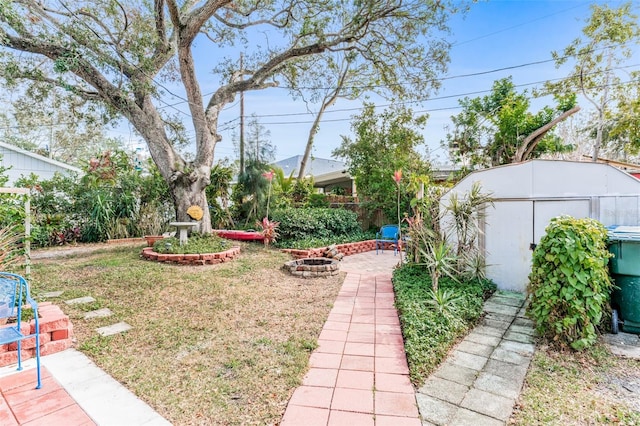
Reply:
x=241, y=120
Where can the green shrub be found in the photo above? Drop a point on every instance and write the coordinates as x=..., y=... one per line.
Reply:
x=302, y=223
x=433, y=322
x=112, y=200
x=318, y=200
x=569, y=285
x=313, y=242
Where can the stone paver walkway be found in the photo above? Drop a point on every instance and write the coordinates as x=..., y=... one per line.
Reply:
x=480, y=381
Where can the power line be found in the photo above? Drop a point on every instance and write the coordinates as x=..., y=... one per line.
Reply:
x=540, y=18
x=227, y=125
x=183, y=100
x=124, y=59
x=456, y=96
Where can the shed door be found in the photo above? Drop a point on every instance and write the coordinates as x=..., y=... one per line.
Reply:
x=508, y=234
x=512, y=227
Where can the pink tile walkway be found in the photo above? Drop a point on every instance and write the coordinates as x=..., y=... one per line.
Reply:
x=22, y=404
x=358, y=375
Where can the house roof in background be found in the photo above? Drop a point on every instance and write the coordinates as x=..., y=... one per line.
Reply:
x=40, y=157
x=316, y=167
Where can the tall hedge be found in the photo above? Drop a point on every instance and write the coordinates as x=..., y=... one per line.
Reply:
x=301, y=223
x=569, y=284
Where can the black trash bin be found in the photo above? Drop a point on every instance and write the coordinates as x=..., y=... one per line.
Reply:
x=624, y=243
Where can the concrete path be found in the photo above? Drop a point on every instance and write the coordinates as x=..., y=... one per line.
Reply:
x=358, y=375
x=623, y=344
x=74, y=392
x=479, y=382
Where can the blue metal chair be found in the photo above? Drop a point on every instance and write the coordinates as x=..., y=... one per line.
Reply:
x=387, y=234
x=14, y=293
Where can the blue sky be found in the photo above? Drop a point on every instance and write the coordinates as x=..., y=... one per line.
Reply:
x=492, y=35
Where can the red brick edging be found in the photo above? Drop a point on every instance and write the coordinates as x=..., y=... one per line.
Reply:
x=56, y=332
x=347, y=249
x=191, y=259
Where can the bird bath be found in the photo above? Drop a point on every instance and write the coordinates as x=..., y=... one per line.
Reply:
x=183, y=228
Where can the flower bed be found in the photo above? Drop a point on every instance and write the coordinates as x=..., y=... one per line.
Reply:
x=347, y=249
x=191, y=259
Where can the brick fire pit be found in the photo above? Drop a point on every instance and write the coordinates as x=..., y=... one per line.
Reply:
x=312, y=267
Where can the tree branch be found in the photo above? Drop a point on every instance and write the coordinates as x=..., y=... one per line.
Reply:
x=275, y=20
x=531, y=141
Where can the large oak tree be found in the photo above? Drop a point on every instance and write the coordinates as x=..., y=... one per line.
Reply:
x=123, y=54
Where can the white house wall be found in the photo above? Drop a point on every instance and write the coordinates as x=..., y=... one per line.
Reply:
x=22, y=163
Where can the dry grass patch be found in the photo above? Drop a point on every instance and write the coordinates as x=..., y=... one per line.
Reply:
x=592, y=388
x=221, y=344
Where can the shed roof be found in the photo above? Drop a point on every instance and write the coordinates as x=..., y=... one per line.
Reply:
x=552, y=178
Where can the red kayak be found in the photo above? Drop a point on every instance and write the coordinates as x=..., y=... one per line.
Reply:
x=239, y=235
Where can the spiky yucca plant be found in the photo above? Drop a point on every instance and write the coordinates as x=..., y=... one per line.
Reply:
x=10, y=247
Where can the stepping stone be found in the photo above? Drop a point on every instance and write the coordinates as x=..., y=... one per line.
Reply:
x=100, y=313
x=489, y=404
x=53, y=294
x=110, y=330
x=79, y=300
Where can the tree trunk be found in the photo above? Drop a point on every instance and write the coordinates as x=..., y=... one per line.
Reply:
x=328, y=100
x=603, y=104
x=187, y=181
x=186, y=194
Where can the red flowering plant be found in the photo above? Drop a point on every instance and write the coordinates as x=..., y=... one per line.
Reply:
x=268, y=229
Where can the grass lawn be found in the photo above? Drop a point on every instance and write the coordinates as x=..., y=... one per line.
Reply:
x=591, y=388
x=220, y=344
x=228, y=344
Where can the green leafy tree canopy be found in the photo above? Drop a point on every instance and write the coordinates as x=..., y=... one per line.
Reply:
x=599, y=74
x=490, y=129
x=383, y=143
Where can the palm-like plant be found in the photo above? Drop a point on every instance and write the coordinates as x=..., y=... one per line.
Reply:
x=474, y=264
x=439, y=260
x=10, y=248
x=445, y=301
x=466, y=213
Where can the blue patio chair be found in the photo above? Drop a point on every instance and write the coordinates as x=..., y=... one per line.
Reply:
x=387, y=234
x=14, y=293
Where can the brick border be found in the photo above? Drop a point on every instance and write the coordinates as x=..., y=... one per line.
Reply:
x=347, y=249
x=191, y=259
x=56, y=333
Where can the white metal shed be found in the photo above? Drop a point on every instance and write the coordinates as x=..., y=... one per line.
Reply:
x=528, y=195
